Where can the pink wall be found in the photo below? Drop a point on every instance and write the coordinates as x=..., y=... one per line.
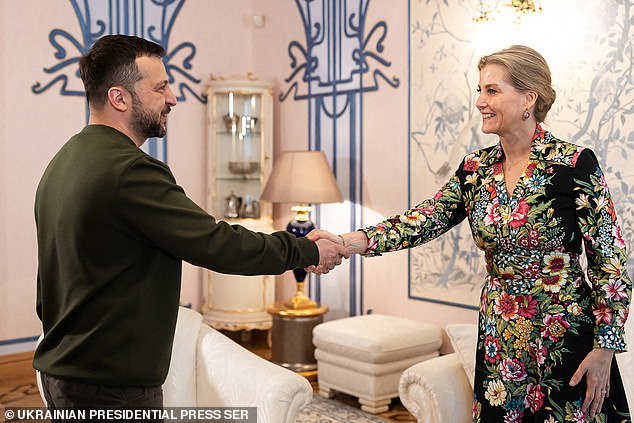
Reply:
x=33, y=127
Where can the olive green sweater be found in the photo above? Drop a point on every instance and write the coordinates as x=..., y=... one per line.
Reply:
x=112, y=228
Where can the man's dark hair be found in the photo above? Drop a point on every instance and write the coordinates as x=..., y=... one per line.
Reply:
x=111, y=62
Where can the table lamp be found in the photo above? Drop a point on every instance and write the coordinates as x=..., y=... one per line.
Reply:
x=301, y=178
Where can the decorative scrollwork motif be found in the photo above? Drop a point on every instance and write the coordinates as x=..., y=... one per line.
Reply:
x=340, y=59
x=150, y=19
x=337, y=50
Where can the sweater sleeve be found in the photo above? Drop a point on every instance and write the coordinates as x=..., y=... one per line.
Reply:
x=426, y=221
x=605, y=250
x=150, y=199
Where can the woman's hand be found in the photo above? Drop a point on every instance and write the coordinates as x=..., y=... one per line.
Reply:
x=596, y=368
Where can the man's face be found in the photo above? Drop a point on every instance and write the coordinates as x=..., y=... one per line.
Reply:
x=152, y=99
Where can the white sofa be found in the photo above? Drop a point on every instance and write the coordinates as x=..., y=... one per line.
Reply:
x=210, y=370
x=440, y=390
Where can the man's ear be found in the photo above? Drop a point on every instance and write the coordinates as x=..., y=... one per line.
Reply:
x=119, y=98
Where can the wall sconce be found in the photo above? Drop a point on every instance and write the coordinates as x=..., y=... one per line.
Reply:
x=520, y=7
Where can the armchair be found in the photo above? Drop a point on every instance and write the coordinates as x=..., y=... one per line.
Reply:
x=437, y=391
x=440, y=390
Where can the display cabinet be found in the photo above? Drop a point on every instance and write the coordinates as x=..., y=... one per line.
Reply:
x=239, y=157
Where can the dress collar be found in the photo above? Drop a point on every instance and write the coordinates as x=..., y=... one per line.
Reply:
x=496, y=155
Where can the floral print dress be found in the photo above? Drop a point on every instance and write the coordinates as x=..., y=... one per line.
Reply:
x=539, y=314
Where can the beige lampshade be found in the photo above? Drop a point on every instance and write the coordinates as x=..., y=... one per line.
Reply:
x=302, y=177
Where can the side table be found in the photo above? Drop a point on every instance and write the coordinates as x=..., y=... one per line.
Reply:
x=292, y=337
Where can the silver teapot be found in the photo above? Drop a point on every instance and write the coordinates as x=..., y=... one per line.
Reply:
x=231, y=122
x=250, y=208
x=232, y=205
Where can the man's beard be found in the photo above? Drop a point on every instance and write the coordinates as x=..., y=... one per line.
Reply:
x=144, y=123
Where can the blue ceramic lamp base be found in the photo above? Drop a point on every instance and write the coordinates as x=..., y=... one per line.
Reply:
x=300, y=226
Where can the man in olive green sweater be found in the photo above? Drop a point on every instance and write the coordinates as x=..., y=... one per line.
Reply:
x=113, y=228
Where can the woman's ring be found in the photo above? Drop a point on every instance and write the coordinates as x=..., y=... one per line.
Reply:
x=604, y=391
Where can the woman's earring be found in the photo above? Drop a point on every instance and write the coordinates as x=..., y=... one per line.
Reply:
x=526, y=115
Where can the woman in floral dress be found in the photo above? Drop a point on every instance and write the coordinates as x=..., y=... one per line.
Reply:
x=547, y=334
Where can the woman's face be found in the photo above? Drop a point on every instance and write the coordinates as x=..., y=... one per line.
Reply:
x=501, y=105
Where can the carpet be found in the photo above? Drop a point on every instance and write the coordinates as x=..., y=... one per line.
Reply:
x=322, y=410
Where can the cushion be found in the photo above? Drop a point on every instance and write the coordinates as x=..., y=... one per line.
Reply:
x=463, y=338
x=376, y=369
x=377, y=338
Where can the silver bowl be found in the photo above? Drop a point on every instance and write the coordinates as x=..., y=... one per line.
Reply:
x=243, y=168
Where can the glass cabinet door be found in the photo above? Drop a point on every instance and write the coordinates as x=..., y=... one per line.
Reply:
x=240, y=149
x=239, y=160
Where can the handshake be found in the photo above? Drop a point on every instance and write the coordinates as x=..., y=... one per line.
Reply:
x=334, y=248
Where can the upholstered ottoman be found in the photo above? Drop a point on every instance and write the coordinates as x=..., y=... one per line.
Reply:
x=364, y=356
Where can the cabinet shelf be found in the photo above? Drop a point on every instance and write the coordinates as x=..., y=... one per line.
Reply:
x=258, y=133
x=238, y=178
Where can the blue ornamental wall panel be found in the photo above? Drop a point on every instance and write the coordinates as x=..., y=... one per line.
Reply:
x=339, y=61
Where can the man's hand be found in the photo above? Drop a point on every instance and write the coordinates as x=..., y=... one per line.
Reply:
x=316, y=234
x=596, y=368
x=330, y=255
x=354, y=242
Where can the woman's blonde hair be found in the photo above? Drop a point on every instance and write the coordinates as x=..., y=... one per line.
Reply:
x=528, y=71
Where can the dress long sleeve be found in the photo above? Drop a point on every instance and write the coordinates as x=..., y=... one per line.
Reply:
x=605, y=250
x=426, y=221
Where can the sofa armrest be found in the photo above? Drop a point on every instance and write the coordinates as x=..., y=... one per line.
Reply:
x=229, y=375
x=437, y=391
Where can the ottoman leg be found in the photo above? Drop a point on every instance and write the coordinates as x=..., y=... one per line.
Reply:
x=374, y=406
x=325, y=391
